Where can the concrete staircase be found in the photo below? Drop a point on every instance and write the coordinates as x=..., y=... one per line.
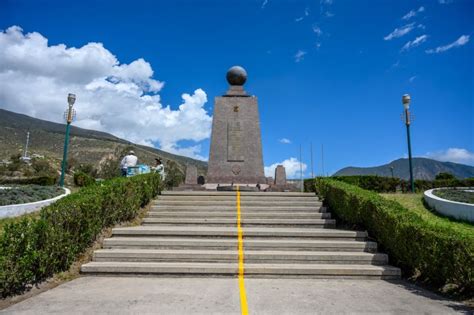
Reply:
x=285, y=235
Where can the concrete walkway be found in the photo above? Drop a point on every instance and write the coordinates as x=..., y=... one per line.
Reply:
x=136, y=295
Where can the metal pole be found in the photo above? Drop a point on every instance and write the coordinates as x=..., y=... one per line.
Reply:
x=26, y=146
x=407, y=122
x=322, y=158
x=301, y=171
x=312, y=172
x=64, y=163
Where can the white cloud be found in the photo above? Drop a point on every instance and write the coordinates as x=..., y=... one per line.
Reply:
x=299, y=56
x=306, y=12
x=399, y=32
x=414, y=43
x=285, y=141
x=122, y=99
x=292, y=168
x=317, y=30
x=265, y=2
x=411, y=79
x=445, y=1
x=299, y=19
x=461, y=41
x=413, y=13
x=456, y=155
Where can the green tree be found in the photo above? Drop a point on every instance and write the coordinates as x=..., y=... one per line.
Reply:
x=174, y=176
x=444, y=176
x=42, y=167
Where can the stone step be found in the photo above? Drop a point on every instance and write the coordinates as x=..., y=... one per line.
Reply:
x=231, y=269
x=233, y=203
x=244, y=222
x=231, y=232
x=261, y=256
x=231, y=243
x=233, y=208
x=234, y=198
x=243, y=194
x=233, y=214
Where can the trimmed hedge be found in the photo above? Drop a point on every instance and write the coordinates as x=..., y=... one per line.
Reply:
x=32, y=250
x=388, y=184
x=436, y=253
x=40, y=180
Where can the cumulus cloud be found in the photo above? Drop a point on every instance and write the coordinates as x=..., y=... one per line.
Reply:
x=414, y=43
x=299, y=56
x=413, y=13
x=456, y=155
x=461, y=41
x=399, y=32
x=292, y=168
x=285, y=141
x=118, y=98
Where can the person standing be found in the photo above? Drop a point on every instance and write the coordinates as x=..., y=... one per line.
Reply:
x=159, y=168
x=128, y=160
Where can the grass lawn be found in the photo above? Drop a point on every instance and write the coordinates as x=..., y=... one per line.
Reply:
x=415, y=203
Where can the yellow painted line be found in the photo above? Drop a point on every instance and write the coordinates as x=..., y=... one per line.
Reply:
x=240, y=239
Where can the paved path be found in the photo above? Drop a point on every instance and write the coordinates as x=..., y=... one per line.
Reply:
x=126, y=295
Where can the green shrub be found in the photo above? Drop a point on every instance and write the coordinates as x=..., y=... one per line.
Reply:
x=40, y=180
x=32, y=250
x=437, y=253
x=82, y=179
x=388, y=184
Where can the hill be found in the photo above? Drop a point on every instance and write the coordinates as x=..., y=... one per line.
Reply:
x=86, y=146
x=422, y=169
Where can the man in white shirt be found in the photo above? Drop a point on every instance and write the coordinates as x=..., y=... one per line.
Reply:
x=128, y=160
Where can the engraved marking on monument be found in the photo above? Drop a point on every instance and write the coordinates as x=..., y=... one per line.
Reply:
x=234, y=142
x=236, y=169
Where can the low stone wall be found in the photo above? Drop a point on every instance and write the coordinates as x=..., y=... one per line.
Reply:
x=10, y=211
x=458, y=210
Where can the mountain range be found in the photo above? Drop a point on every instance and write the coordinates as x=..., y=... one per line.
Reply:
x=86, y=146
x=423, y=168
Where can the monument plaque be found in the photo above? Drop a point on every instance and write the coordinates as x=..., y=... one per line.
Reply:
x=236, y=146
x=234, y=142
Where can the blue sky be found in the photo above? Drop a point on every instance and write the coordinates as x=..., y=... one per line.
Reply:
x=329, y=72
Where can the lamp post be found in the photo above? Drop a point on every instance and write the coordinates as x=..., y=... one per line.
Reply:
x=69, y=115
x=406, y=104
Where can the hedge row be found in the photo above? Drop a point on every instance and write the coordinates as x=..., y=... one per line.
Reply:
x=40, y=180
x=437, y=253
x=388, y=184
x=32, y=250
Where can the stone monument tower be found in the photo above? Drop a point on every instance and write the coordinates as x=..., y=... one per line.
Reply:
x=236, y=146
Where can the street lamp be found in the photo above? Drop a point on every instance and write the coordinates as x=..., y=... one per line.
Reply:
x=406, y=104
x=69, y=116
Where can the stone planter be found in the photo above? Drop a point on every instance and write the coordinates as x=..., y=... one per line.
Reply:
x=457, y=210
x=10, y=211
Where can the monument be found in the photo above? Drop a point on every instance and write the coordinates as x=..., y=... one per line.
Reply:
x=280, y=176
x=191, y=175
x=236, y=146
